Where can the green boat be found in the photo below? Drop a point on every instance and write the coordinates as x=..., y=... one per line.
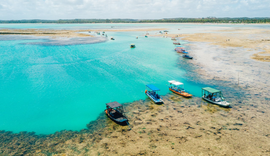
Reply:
x=214, y=96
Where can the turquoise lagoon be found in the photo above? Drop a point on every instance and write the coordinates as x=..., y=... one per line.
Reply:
x=51, y=88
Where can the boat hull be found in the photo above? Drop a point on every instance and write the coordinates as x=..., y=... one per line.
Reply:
x=123, y=123
x=222, y=104
x=188, y=57
x=182, y=94
x=157, y=101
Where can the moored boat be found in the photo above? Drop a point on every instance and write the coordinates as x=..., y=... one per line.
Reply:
x=180, y=50
x=178, y=88
x=115, y=112
x=112, y=38
x=214, y=96
x=187, y=57
x=176, y=43
x=132, y=46
x=153, y=95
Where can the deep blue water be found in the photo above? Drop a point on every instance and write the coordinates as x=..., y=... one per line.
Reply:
x=52, y=88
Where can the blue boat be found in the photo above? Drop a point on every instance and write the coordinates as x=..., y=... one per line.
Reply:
x=152, y=94
x=184, y=52
x=187, y=57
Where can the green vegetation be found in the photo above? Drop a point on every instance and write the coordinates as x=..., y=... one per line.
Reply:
x=165, y=20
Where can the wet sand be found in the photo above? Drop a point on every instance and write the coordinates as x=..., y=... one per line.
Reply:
x=234, y=60
x=181, y=126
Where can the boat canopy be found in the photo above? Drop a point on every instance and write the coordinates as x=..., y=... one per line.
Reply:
x=132, y=44
x=152, y=87
x=211, y=90
x=114, y=104
x=175, y=82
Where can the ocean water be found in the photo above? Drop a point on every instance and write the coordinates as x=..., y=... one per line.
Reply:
x=48, y=88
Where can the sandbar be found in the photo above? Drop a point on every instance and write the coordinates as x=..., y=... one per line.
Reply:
x=67, y=33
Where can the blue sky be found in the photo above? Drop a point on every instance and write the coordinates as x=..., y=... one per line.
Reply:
x=136, y=9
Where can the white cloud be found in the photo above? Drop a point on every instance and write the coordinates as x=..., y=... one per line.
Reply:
x=139, y=9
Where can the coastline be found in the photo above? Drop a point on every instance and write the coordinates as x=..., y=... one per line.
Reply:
x=180, y=126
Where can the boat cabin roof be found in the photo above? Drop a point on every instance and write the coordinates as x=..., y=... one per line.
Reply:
x=114, y=104
x=132, y=44
x=152, y=87
x=211, y=90
x=175, y=82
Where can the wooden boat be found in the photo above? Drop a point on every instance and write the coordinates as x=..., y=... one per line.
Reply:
x=115, y=112
x=132, y=46
x=176, y=43
x=214, y=96
x=178, y=88
x=153, y=95
x=187, y=57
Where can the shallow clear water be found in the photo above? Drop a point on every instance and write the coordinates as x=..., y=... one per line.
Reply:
x=52, y=88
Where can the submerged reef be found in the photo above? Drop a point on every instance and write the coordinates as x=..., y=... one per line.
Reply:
x=180, y=126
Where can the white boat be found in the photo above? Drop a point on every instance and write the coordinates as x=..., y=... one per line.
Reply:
x=214, y=96
x=153, y=95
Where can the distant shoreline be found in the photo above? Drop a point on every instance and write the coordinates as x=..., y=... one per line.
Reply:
x=163, y=20
x=152, y=23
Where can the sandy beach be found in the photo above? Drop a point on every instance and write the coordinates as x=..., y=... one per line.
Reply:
x=236, y=60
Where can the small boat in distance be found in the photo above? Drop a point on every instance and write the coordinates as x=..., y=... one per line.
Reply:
x=176, y=43
x=112, y=38
x=145, y=36
x=153, y=95
x=187, y=57
x=132, y=46
x=214, y=96
x=178, y=88
x=183, y=51
x=115, y=112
